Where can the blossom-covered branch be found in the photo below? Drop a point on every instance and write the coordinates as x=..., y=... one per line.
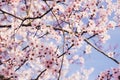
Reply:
x=42, y=39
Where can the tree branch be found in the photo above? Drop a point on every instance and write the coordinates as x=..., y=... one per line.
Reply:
x=39, y=16
x=87, y=41
x=53, y=14
x=5, y=26
x=11, y=14
x=21, y=64
x=66, y=51
x=3, y=78
x=44, y=35
x=40, y=74
x=62, y=57
x=25, y=47
x=92, y=36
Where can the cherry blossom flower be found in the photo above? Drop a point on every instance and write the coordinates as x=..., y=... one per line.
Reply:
x=110, y=74
x=111, y=24
x=110, y=54
x=104, y=37
x=88, y=49
x=82, y=60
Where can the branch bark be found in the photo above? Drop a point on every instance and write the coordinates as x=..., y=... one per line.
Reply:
x=62, y=57
x=21, y=64
x=10, y=14
x=66, y=51
x=40, y=74
x=101, y=51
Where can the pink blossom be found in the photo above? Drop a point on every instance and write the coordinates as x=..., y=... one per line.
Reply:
x=88, y=49
x=111, y=24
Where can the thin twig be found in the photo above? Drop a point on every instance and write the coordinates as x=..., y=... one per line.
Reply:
x=44, y=35
x=21, y=64
x=66, y=51
x=40, y=74
x=60, y=68
x=11, y=14
x=62, y=56
x=92, y=36
x=101, y=51
x=5, y=26
x=25, y=47
x=54, y=15
x=40, y=16
x=20, y=25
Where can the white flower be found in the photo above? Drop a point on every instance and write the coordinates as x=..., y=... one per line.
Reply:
x=88, y=49
x=81, y=60
x=91, y=23
x=104, y=37
x=79, y=28
x=85, y=14
x=86, y=73
x=111, y=24
x=75, y=57
x=71, y=61
x=67, y=28
x=110, y=54
x=60, y=7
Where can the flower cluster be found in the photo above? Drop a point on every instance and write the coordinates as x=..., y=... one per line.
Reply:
x=41, y=38
x=110, y=74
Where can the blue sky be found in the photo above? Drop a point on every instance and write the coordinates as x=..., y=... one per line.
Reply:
x=98, y=60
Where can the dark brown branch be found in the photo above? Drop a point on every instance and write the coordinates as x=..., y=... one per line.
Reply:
x=3, y=78
x=11, y=14
x=27, y=17
x=44, y=35
x=20, y=25
x=39, y=16
x=92, y=36
x=1, y=62
x=66, y=51
x=21, y=64
x=40, y=74
x=27, y=25
x=5, y=26
x=25, y=47
x=60, y=29
x=9, y=26
x=54, y=15
x=101, y=51
x=61, y=67
x=62, y=57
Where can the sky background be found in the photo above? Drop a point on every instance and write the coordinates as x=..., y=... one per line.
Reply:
x=101, y=62
x=97, y=60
